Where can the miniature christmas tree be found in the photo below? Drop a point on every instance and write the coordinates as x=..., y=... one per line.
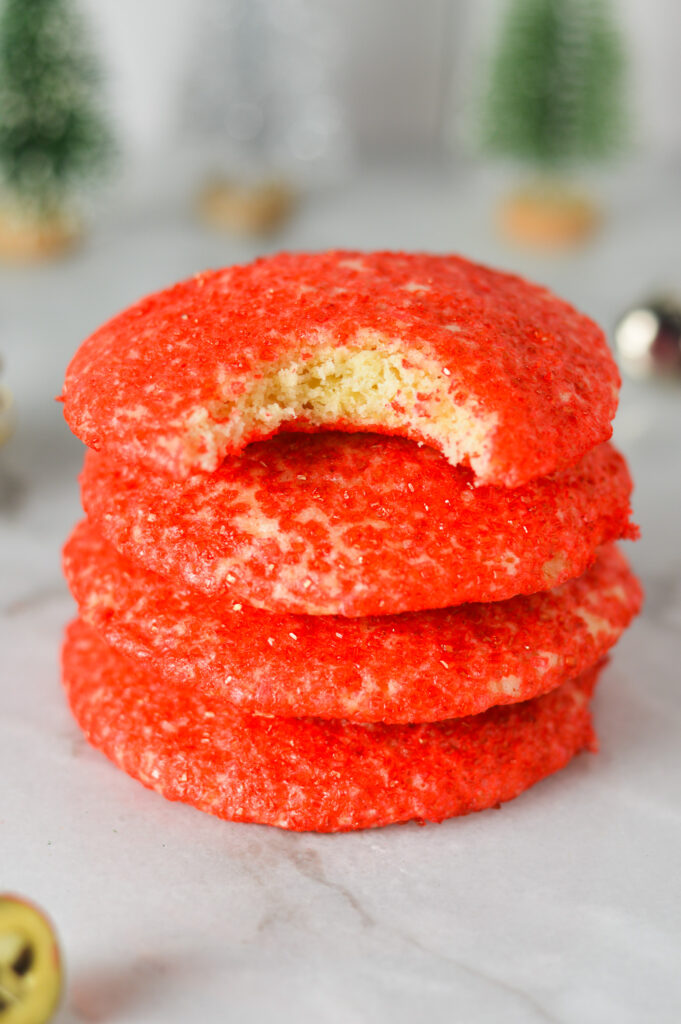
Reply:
x=53, y=137
x=555, y=99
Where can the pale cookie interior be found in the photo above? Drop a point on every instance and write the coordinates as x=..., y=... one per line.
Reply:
x=369, y=386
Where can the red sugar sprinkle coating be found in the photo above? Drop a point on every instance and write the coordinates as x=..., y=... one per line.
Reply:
x=141, y=385
x=358, y=525
x=312, y=775
x=418, y=667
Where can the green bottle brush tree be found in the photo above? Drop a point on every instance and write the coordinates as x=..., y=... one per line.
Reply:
x=54, y=138
x=553, y=102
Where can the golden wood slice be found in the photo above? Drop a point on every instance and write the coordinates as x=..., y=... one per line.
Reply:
x=246, y=209
x=551, y=217
x=26, y=237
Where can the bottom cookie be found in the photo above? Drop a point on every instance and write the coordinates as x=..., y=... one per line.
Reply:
x=309, y=774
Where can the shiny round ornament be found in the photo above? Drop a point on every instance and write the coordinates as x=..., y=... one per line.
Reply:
x=648, y=339
x=30, y=966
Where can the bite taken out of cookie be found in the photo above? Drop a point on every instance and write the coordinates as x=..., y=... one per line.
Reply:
x=493, y=371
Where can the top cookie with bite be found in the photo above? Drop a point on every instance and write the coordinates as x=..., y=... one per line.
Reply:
x=495, y=372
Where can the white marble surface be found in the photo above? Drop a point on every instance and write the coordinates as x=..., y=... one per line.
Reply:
x=563, y=906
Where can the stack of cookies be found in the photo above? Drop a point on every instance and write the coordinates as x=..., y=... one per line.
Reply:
x=349, y=550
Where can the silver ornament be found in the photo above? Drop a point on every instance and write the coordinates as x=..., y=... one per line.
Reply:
x=648, y=339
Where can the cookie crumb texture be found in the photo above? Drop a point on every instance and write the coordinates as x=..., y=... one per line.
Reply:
x=332, y=524
x=495, y=372
x=419, y=667
x=312, y=775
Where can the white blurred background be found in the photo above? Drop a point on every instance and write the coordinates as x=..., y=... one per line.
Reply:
x=400, y=71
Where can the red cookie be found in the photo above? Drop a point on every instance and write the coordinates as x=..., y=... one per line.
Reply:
x=418, y=667
x=494, y=371
x=312, y=775
x=358, y=525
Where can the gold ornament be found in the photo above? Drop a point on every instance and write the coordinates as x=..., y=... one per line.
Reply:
x=5, y=413
x=30, y=967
